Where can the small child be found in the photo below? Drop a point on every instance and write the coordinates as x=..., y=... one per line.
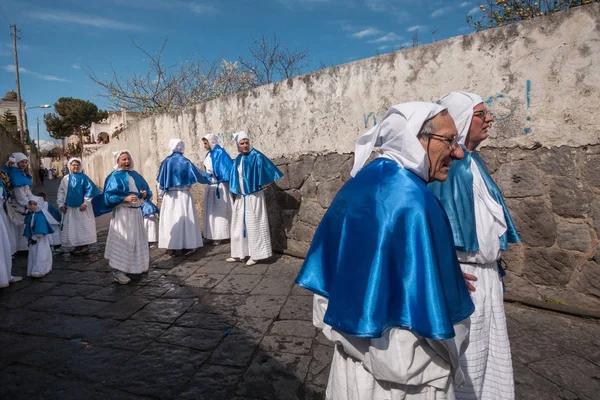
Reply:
x=150, y=213
x=38, y=228
x=55, y=241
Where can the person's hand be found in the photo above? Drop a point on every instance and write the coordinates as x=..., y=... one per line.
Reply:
x=63, y=209
x=469, y=277
x=143, y=193
x=83, y=207
x=132, y=198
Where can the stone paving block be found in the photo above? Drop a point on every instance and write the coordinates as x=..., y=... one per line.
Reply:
x=63, y=326
x=166, y=262
x=15, y=347
x=219, y=303
x=112, y=293
x=80, y=306
x=21, y=382
x=253, y=327
x=10, y=317
x=529, y=385
x=71, y=389
x=154, y=290
x=289, y=269
x=236, y=350
x=273, y=286
x=53, y=354
x=318, y=371
x=123, y=308
x=215, y=322
x=206, y=281
x=300, y=291
x=535, y=347
x=313, y=392
x=16, y=300
x=89, y=278
x=261, y=306
x=185, y=292
x=573, y=372
x=212, y=382
x=220, y=267
x=129, y=335
x=298, y=308
x=145, y=278
x=56, y=275
x=195, y=338
x=163, y=310
x=38, y=288
x=242, y=269
x=159, y=371
x=95, y=363
x=294, y=328
x=286, y=344
x=276, y=376
x=237, y=284
x=15, y=287
x=70, y=289
x=46, y=303
x=185, y=269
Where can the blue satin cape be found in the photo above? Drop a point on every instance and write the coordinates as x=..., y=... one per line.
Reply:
x=149, y=208
x=54, y=212
x=116, y=188
x=176, y=170
x=3, y=189
x=80, y=186
x=457, y=198
x=18, y=178
x=383, y=255
x=41, y=226
x=258, y=171
x=221, y=162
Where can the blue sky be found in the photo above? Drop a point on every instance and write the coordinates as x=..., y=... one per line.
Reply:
x=59, y=35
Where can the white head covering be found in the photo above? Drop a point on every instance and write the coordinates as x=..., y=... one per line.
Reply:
x=396, y=137
x=213, y=140
x=19, y=157
x=39, y=200
x=75, y=159
x=42, y=206
x=176, y=146
x=116, y=156
x=238, y=136
x=11, y=159
x=460, y=106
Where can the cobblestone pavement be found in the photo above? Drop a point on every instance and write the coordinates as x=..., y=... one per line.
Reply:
x=196, y=327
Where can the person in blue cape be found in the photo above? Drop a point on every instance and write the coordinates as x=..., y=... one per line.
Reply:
x=217, y=198
x=482, y=229
x=388, y=290
x=179, y=229
x=151, y=213
x=39, y=225
x=74, y=198
x=127, y=243
x=21, y=190
x=252, y=172
x=55, y=241
x=9, y=164
x=7, y=241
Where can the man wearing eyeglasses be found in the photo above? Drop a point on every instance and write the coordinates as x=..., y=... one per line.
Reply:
x=482, y=228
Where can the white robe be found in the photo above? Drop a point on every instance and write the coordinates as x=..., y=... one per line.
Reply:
x=487, y=362
x=178, y=226
x=399, y=365
x=250, y=234
x=10, y=227
x=127, y=243
x=6, y=248
x=39, y=259
x=78, y=227
x=20, y=201
x=217, y=210
x=151, y=227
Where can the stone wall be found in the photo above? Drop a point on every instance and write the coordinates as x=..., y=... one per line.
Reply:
x=541, y=80
x=9, y=145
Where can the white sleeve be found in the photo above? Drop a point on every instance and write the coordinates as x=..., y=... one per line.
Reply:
x=21, y=194
x=61, y=196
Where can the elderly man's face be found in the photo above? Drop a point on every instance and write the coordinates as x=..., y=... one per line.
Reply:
x=481, y=122
x=22, y=164
x=206, y=144
x=75, y=167
x=244, y=146
x=441, y=153
x=125, y=162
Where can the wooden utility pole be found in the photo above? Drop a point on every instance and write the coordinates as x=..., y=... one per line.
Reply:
x=21, y=113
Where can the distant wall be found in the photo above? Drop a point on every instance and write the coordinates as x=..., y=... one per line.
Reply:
x=542, y=80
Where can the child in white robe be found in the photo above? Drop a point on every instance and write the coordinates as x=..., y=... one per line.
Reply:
x=151, y=212
x=39, y=225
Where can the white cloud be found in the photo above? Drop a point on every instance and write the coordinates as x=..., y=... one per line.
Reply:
x=441, y=11
x=390, y=37
x=464, y=4
x=76, y=66
x=84, y=19
x=465, y=29
x=473, y=10
x=419, y=28
x=194, y=6
x=384, y=47
x=366, y=32
x=377, y=5
x=52, y=78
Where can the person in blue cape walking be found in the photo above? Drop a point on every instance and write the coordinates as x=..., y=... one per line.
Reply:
x=55, y=241
x=39, y=225
x=21, y=190
x=217, y=198
x=74, y=198
x=252, y=172
x=482, y=229
x=178, y=228
x=127, y=243
x=151, y=213
x=388, y=290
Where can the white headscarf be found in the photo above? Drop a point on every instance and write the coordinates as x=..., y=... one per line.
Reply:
x=213, y=140
x=176, y=146
x=460, y=106
x=74, y=159
x=39, y=200
x=19, y=157
x=238, y=136
x=11, y=159
x=396, y=137
x=116, y=156
x=41, y=206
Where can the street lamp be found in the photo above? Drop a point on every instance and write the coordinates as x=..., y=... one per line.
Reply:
x=38, y=124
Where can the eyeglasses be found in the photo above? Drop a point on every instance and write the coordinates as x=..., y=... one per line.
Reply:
x=483, y=114
x=450, y=141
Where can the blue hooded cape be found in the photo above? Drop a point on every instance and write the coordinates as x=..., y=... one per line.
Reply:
x=177, y=170
x=384, y=257
x=41, y=226
x=456, y=196
x=79, y=187
x=54, y=212
x=258, y=172
x=116, y=188
x=18, y=178
x=149, y=208
x=221, y=162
